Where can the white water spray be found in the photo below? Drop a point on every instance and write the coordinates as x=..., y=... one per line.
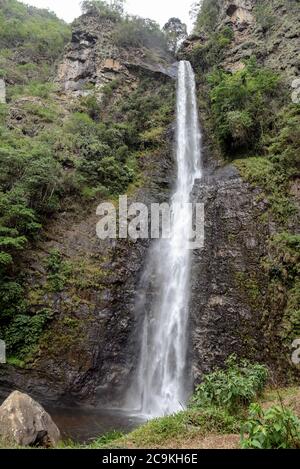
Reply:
x=160, y=384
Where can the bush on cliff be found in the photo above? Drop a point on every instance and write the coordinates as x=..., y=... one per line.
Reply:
x=241, y=104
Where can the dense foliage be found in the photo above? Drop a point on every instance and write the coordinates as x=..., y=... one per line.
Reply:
x=273, y=428
x=239, y=384
x=176, y=32
x=241, y=106
x=30, y=41
x=206, y=55
x=206, y=14
x=49, y=156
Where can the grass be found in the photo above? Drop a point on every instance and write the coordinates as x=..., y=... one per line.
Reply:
x=205, y=428
x=209, y=428
x=172, y=431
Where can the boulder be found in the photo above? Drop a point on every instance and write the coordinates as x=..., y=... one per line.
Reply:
x=24, y=422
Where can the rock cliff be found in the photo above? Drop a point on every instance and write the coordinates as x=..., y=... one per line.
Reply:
x=89, y=347
x=89, y=350
x=237, y=305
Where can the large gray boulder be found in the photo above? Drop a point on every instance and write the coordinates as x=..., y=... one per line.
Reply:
x=24, y=422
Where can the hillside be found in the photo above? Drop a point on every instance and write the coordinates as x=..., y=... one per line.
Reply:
x=93, y=130
x=88, y=113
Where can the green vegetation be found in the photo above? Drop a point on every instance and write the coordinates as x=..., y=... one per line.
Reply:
x=101, y=8
x=206, y=18
x=31, y=40
x=262, y=172
x=204, y=56
x=241, y=106
x=23, y=333
x=282, y=268
x=50, y=155
x=58, y=271
x=273, y=428
x=264, y=14
x=37, y=35
x=220, y=407
x=172, y=430
x=232, y=388
x=101, y=158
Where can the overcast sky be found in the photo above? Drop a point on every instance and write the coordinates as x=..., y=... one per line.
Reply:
x=159, y=10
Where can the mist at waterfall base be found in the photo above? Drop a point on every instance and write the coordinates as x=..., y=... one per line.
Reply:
x=161, y=384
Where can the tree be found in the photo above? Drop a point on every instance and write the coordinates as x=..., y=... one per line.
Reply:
x=112, y=9
x=194, y=11
x=175, y=32
x=118, y=6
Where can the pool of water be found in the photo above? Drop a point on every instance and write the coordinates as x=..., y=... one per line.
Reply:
x=84, y=425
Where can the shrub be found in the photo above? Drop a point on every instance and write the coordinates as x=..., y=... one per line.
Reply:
x=241, y=105
x=261, y=171
x=103, y=9
x=134, y=31
x=24, y=332
x=233, y=387
x=264, y=15
x=273, y=428
x=207, y=17
x=205, y=56
x=58, y=271
x=284, y=142
x=105, y=440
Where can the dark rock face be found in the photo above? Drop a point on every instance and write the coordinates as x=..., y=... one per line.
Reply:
x=25, y=423
x=92, y=349
x=222, y=320
x=91, y=345
x=89, y=348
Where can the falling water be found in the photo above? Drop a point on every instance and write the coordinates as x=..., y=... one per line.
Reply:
x=160, y=384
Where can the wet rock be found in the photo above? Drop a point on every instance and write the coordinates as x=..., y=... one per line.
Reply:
x=24, y=422
x=222, y=321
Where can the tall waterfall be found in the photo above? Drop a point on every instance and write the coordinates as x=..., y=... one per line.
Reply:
x=160, y=385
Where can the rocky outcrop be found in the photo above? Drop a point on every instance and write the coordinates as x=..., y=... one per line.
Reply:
x=24, y=422
x=223, y=321
x=92, y=57
x=87, y=352
x=233, y=308
x=268, y=31
x=2, y=91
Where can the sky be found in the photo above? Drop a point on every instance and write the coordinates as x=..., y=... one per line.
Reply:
x=159, y=10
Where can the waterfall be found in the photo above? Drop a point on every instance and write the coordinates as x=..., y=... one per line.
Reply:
x=160, y=383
